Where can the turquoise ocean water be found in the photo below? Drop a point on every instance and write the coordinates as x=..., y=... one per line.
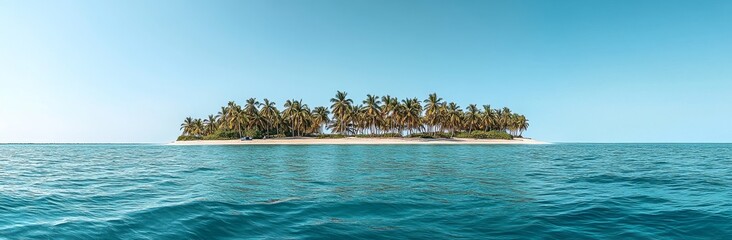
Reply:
x=561, y=191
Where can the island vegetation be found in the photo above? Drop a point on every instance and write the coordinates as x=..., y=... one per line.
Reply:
x=375, y=116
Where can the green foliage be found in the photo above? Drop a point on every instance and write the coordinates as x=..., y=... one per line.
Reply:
x=433, y=117
x=485, y=135
x=430, y=135
x=444, y=135
x=383, y=135
x=391, y=135
x=331, y=136
x=421, y=135
x=187, y=138
x=222, y=134
x=464, y=135
x=252, y=133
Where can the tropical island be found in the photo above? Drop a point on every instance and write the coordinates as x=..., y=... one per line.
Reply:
x=377, y=120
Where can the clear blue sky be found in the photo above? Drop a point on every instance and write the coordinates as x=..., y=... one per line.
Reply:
x=596, y=71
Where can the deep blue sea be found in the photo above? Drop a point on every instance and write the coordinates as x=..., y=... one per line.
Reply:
x=560, y=191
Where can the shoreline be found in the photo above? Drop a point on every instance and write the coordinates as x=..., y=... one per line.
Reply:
x=358, y=141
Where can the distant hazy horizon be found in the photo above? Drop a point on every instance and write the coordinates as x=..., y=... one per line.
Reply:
x=581, y=71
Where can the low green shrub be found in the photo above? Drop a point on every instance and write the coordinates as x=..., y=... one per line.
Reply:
x=485, y=135
x=421, y=135
x=331, y=136
x=222, y=134
x=391, y=135
x=464, y=135
x=188, y=138
x=383, y=135
x=252, y=133
x=444, y=135
x=430, y=135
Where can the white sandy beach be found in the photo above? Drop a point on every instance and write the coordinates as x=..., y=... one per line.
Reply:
x=355, y=140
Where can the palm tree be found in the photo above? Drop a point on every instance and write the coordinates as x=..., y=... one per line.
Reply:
x=234, y=117
x=251, y=111
x=513, y=124
x=320, y=118
x=453, y=118
x=269, y=114
x=411, y=115
x=340, y=108
x=303, y=118
x=193, y=126
x=288, y=113
x=187, y=126
x=523, y=124
x=210, y=124
x=432, y=111
x=489, y=118
x=356, y=119
x=298, y=116
x=504, y=118
x=372, y=113
x=388, y=113
x=472, y=117
x=279, y=123
x=221, y=116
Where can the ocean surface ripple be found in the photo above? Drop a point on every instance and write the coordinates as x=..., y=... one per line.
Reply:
x=559, y=191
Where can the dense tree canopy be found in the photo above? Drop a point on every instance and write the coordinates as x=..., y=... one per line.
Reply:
x=374, y=116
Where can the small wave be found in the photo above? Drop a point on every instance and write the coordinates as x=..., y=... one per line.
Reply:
x=277, y=201
x=611, y=178
x=199, y=169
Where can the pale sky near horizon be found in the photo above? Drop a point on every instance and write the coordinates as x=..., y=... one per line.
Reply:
x=581, y=71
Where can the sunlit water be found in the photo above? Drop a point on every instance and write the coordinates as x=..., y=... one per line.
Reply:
x=563, y=191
